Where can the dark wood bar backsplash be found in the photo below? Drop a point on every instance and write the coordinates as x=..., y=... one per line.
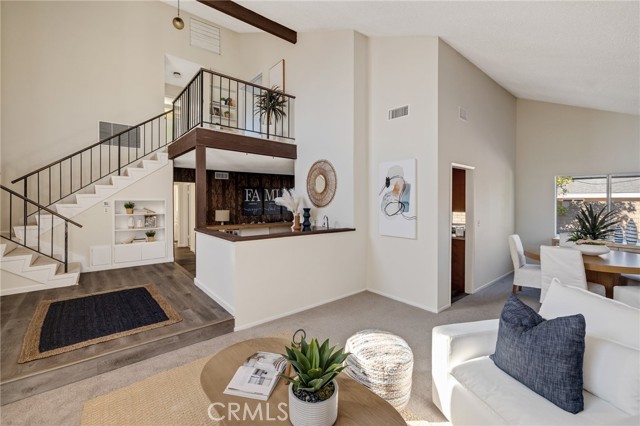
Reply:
x=228, y=194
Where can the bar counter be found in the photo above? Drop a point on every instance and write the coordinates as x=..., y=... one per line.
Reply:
x=218, y=231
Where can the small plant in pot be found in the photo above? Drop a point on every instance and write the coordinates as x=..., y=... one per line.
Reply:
x=270, y=106
x=151, y=235
x=313, y=393
x=128, y=206
x=593, y=226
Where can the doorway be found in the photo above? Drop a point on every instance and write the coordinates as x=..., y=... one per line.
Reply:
x=462, y=231
x=184, y=220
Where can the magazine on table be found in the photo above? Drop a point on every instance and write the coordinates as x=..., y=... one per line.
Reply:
x=258, y=376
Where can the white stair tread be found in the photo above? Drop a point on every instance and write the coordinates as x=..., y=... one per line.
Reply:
x=19, y=251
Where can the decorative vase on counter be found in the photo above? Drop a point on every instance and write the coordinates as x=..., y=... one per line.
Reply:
x=296, y=223
x=618, y=236
x=632, y=232
x=306, y=225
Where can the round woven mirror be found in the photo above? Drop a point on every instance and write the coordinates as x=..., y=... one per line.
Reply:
x=321, y=183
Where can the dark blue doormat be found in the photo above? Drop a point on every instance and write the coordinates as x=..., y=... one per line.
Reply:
x=64, y=325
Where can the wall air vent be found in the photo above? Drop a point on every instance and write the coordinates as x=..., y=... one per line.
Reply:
x=221, y=175
x=398, y=112
x=205, y=36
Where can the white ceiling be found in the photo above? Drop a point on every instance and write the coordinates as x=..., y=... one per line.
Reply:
x=231, y=161
x=582, y=53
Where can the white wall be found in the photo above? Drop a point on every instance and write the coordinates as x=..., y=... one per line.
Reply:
x=487, y=142
x=404, y=71
x=267, y=279
x=68, y=65
x=320, y=72
x=557, y=140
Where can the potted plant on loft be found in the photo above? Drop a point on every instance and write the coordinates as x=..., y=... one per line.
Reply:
x=151, y=235
x=313, y=392
x=128, y=206
x=593, y=229
x=271, y=104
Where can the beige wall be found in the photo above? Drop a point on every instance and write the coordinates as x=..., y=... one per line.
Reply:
x=321, y=73
x=487, y=142
x=404, y=71
x=556, y=140
x=68, y=65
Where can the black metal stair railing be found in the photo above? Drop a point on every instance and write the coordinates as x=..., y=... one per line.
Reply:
x=217, y=101
x=59, y=179
x=17, y=221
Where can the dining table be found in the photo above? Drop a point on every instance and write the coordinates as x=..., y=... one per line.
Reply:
x=606, y=268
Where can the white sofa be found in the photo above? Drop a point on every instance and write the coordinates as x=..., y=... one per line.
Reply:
x=470, y=390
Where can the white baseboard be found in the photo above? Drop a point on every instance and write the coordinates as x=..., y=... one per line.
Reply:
x=227, y=307
x=483, y=286
x=86, y=268
x=402, y=300
x=295, y=311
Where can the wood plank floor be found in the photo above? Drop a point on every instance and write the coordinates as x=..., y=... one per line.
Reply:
x=185, y=258
x=202, y=319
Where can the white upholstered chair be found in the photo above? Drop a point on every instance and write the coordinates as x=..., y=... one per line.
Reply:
x=524, y=274
x=565, y=264
x=629, y=293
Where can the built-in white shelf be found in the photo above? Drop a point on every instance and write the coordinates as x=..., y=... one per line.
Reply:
x=126, y=250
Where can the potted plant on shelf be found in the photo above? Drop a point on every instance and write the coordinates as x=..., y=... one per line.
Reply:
x=271, y=104
x=313, y=392
x=151, y=235
x=128, y=206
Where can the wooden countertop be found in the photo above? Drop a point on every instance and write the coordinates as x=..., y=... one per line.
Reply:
x=235, y=227
x=237, y=238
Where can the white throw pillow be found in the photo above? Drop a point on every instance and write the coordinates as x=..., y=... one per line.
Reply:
x=612, y=373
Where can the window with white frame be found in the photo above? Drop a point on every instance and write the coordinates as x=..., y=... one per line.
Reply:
x=613, y=192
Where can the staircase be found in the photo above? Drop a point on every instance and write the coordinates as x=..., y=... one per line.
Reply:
x=36, y=229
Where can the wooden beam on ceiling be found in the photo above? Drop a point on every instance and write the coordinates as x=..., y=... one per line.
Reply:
x=252, y=18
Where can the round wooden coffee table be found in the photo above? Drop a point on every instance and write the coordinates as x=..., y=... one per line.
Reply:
x=356, y=406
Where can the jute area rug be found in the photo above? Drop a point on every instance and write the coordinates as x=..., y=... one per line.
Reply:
x=71, y=323
x=171, y=398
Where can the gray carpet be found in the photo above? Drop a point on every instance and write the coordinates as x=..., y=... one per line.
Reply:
x=337, y=320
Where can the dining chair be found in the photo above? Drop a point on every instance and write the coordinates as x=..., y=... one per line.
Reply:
x=565, y=264
x=629, y=293
x=524, y=274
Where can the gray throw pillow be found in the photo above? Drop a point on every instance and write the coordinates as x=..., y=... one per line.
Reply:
x=544, y=355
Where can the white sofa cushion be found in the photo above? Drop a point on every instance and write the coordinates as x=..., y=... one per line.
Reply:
x=612, y=372
x=518, y=405
x=605, y=318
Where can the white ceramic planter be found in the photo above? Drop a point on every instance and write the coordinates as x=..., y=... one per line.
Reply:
x=324, y=413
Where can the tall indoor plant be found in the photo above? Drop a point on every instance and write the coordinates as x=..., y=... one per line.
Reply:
x=313, y=394
x=271, y=104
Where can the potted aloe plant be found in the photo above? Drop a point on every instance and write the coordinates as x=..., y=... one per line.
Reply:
x=271, y=104
x=313, y=393
x=593, y=225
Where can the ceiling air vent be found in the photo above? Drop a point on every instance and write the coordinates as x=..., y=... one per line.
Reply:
x=398, y=112
x=222, y=175
x=205, y=36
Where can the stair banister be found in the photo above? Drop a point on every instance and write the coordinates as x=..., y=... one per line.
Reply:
x=40, y=207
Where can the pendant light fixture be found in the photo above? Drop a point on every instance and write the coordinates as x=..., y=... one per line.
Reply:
x=178, y=23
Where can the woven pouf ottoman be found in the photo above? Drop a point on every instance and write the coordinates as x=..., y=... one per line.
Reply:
x=383, y=362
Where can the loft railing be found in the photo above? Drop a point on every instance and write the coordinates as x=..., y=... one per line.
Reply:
x=218, y=101
x=22, y=206
x=76, y=171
